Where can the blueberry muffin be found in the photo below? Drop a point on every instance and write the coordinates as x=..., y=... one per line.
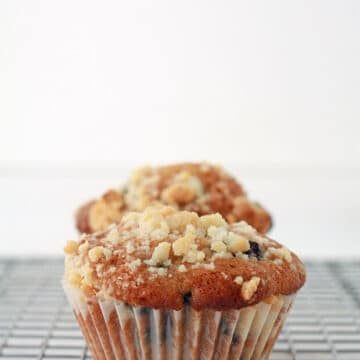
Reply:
x=170, y=284
x=202, y=188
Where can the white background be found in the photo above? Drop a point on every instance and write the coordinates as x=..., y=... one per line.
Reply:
x=88, y=90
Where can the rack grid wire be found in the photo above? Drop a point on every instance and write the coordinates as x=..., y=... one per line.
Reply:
x=37, y=323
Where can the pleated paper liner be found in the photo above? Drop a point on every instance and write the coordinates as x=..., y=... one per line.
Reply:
x=114, y=330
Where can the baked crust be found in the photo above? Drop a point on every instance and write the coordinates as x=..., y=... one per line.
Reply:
x=163, y=258
x=82, y=217
x=198, y=187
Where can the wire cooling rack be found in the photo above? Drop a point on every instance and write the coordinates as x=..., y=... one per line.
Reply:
x=37, y=323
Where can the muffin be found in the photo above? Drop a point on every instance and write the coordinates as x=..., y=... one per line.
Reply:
x=170, y=284
x=202, y=188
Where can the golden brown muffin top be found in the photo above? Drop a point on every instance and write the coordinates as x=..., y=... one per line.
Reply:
x=202, y=188
x=164, y=258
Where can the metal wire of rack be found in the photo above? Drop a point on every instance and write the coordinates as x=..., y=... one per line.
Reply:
x=37, y=323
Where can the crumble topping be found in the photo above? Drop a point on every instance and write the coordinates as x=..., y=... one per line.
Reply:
x=182, y=268
x=183, y=189
x=97, y=252
x=83, y=248
x=129, y=248
x=161, y=253
x=238, y=243
x=106, y=210
x=202, y=188
x=249, y=288
x=113, y=236
x=161, y=241
x=134, y=264
x=212, y=220
x=71, y=247
x=278, y=254
x=182, y=245
x=239, y=280
x=218, y=246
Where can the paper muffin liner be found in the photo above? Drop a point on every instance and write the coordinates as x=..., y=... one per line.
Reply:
x=114, y=330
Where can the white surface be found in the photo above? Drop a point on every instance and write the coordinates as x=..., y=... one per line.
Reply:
x=247, y=81
x=316, y=212
x=270, y=88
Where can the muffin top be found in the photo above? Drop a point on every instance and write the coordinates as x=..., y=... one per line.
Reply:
x=202, y=188
x=166, y=258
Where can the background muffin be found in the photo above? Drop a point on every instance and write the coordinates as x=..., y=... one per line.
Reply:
x=171, y=284
x=202, y=188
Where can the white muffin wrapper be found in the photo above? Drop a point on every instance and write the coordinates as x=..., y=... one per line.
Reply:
x=114, y=330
